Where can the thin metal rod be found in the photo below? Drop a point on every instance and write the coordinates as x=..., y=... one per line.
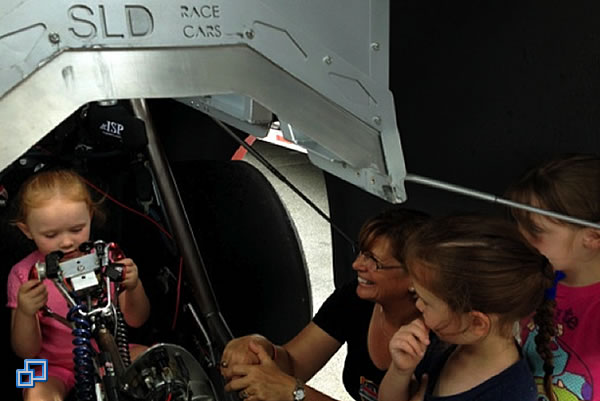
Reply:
x=287, y=182
x=430, y=182
x=184, y=237
x=212, y=359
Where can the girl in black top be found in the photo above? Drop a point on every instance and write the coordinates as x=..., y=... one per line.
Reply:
x=475, y=277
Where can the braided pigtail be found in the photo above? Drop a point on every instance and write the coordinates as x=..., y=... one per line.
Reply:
x=544, y=319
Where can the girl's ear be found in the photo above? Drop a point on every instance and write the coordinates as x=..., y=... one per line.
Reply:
x=480, y=323
x=591, y=238
x=24, y=229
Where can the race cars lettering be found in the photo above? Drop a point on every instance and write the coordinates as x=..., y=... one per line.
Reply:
x=200, y=21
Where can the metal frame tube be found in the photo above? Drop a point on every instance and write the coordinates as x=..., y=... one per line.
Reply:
x=430, y=182
x=193, y=264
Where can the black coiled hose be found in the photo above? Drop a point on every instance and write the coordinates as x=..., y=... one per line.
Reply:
x=121, y=337
x=83, y=353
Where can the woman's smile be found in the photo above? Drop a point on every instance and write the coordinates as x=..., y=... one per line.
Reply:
x=363, y=281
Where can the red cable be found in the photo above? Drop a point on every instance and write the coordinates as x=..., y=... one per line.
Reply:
x=178, y=294
x=161, y=228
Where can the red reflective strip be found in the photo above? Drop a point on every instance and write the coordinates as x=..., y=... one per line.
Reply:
x=282, y=139
x=241, y=151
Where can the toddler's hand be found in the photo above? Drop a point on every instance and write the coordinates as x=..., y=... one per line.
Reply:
x=408, y=346
x=130, y=279
x=31, y=297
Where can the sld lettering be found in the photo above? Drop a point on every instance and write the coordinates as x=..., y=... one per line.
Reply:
x=88, y=22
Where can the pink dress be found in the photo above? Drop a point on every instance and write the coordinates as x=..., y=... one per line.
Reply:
x=576, y=348
x=57, y=339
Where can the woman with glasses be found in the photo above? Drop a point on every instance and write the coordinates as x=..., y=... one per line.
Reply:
x=364, y=313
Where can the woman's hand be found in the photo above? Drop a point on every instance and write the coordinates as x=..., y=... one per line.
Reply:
x=238, y=352
x=32, y=296
x=263, y=381
x=130, y=277
x=408, y=346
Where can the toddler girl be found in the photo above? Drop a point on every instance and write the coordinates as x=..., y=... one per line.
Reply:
x=55, y=211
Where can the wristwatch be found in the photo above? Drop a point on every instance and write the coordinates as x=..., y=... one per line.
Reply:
x=299, y=393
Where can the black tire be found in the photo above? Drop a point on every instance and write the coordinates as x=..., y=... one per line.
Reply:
x=250, y=247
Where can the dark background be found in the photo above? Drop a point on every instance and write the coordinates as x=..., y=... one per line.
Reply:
x=483, y=91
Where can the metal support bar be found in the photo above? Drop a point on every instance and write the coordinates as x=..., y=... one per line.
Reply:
x=430, y=182
x=193, y=264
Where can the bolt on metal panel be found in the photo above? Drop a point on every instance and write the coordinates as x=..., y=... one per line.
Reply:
x=323, y=72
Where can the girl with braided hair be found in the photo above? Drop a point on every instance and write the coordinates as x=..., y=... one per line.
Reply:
x=475, y=277
x=570, y=185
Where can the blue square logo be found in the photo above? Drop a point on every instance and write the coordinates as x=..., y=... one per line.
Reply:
x=26, y=377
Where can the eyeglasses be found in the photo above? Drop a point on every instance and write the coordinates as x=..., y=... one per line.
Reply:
x=372, y=263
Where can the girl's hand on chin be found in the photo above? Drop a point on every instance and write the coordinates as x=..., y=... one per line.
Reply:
x=408, y=346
